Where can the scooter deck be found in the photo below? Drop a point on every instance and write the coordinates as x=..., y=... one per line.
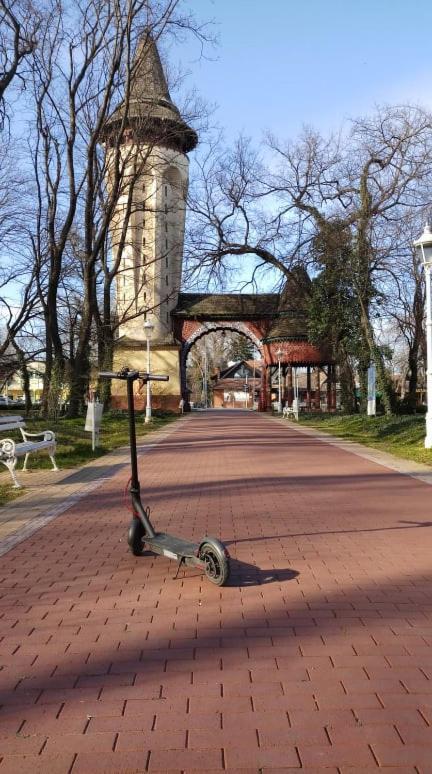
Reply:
x=170, y=546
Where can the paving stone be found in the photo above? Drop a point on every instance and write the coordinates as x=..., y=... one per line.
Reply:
x=317, y=655
x=102, y=742
x=37, y=764
x=118, y=763
x=279, y=757
x=189, y=760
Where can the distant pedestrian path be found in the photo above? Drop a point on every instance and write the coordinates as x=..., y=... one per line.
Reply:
x=316, y=656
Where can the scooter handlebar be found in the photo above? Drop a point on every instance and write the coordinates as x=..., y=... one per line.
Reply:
x=132, y=374
x=153, y=377
x=108, y=375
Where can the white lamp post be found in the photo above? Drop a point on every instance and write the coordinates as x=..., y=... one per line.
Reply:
x=424, y=246
x=279, y=354
x=148, y=330
x=205, y=384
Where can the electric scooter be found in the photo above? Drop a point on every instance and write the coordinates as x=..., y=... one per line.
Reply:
x=210, y=555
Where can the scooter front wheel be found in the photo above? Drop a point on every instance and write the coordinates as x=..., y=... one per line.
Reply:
x=217, y=568
x=135, y=537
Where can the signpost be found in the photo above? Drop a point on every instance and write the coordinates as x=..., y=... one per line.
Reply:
x=93, y=420
x=371, y=392
x=246, y=389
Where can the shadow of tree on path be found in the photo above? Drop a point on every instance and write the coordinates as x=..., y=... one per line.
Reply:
x=412, y=525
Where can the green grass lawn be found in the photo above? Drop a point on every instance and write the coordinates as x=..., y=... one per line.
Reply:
x=399, y=435
x=7, y=493
x=74, y=446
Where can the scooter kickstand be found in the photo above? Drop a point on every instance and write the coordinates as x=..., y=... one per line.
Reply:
x=182, y=561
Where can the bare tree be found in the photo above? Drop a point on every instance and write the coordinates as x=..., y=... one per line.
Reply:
x=18, y=296
x=232, y=215
x=366, y=179
x=404, y=305
x=83, y=70
x=20, y=22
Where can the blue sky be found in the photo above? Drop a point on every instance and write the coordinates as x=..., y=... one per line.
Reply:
x=281, y=64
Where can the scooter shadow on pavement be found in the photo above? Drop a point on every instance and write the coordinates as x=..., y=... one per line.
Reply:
x=245, y=574
x=241, y=573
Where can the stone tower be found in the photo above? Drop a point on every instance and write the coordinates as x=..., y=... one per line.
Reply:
x=155, y=143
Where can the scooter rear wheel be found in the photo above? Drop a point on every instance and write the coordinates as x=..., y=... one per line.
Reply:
x=217, y=568
x=135, y=537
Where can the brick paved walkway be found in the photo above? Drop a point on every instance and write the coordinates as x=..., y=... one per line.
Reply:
x=47, y=493
x=318, y=655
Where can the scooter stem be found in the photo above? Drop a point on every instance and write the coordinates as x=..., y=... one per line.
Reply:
x=135, y=484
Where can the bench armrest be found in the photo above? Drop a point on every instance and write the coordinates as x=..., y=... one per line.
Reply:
x=7, y=447
x=47, y=435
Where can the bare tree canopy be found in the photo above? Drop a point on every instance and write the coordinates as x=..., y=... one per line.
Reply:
x=20, y=23
x=343, y=208
x=77, y=62
x=267, y=208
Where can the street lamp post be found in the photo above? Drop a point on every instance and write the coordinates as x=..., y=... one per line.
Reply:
x=424, y=246
x=148, y=330
x=279, y=354
x=205, y=385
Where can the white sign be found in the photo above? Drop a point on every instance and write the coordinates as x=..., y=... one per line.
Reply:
x=93, y=420
x=371, y=396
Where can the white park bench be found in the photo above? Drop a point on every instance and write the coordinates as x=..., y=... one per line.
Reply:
x=10, y=451
x=291, y=411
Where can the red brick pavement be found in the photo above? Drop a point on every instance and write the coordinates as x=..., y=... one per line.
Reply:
x=318, y=654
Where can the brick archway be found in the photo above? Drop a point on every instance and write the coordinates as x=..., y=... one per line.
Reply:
x=192, y=331
x=269, y=325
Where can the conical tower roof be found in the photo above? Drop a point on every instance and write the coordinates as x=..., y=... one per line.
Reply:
x=148, y=82
x=152, y=114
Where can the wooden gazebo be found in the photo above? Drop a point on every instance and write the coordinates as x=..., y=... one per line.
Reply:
x=273, y=322
x=288, y=337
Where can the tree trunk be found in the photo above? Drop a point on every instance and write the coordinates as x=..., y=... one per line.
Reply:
x=383, y=380
x=80, y=368
x=347, y=384
x=25, y=378
x=26, y=387
x=55, y=388
x=365, y=294
x=105, y=338
x=48, y=372
x=411, y=397
x=55, y=384
x=362, y=367
x=416, y=344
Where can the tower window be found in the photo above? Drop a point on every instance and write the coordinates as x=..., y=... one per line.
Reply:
x=166, y=227
x=166, y=209
x=166, y=261
x=167, y=317
x=166, y=243
x=166, y=280
x=166, y=190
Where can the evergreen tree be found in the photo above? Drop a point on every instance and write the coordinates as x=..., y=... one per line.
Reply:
x=333, y=310
x=240, y=348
